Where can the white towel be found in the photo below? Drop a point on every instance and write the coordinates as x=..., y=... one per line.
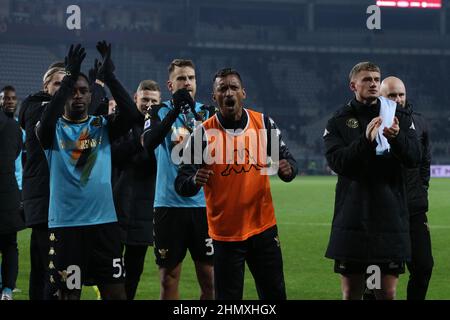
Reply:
x=387, y=114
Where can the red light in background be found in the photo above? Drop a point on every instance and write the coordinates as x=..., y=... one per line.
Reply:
x=428, y=4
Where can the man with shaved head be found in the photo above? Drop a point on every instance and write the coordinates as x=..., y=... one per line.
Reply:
x=394, y=89
x=417, y=182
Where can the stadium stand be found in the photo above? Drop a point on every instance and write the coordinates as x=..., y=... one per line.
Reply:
x=295, y=68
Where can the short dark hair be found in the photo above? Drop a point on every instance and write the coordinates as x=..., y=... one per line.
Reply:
x=148, y=85
x=222, y=73
x=180, y=63
x=8, y=88
x=363, y=66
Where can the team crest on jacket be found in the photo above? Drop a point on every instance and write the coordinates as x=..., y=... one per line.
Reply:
x=352, y=123
x=202, y=114
x=96, y=122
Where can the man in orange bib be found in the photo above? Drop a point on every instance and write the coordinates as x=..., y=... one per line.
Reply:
x=231, y=155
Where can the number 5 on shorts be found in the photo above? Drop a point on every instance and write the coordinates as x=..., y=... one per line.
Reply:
x=210, y=247
x=117, y=264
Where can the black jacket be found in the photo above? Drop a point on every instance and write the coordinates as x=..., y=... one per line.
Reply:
x=418, y=179
x=35, y=181
x=371, y=219
x=10, y=147
x=134, y=189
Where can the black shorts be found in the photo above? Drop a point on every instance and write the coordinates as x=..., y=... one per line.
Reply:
x=85, y=255
x=351, y=267
x=178, y=229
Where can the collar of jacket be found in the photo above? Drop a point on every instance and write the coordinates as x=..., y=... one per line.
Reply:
x=231, y=124
x=408, y=107
x=40, y=96
x=361, y=108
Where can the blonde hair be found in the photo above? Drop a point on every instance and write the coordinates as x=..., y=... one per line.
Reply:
x=148, y=85
x=50, y=73
x=363, y=66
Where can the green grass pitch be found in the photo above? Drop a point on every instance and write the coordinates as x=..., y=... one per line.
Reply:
x=304, y=209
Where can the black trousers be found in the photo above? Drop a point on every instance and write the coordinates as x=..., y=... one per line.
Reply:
x=134, y=265
x=10, y=259
x=262, y=253
x=421, y=265
x=39, y=278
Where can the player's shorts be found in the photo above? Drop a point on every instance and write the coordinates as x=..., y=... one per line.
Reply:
x=350, y=267
x=85, y=255
x=178, y=229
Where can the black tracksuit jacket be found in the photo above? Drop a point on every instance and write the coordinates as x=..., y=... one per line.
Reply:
x=371, y=219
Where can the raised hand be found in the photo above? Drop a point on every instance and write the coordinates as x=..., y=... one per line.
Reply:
x=181, y=98
x=393, y=131
x=107, y=66
x=372, y=128
x=73, y=60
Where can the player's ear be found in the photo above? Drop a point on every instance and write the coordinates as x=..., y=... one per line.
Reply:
x=352, y=86
x=244, y=95
x=135, y=98
x=214, y=97
x=169, y=85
